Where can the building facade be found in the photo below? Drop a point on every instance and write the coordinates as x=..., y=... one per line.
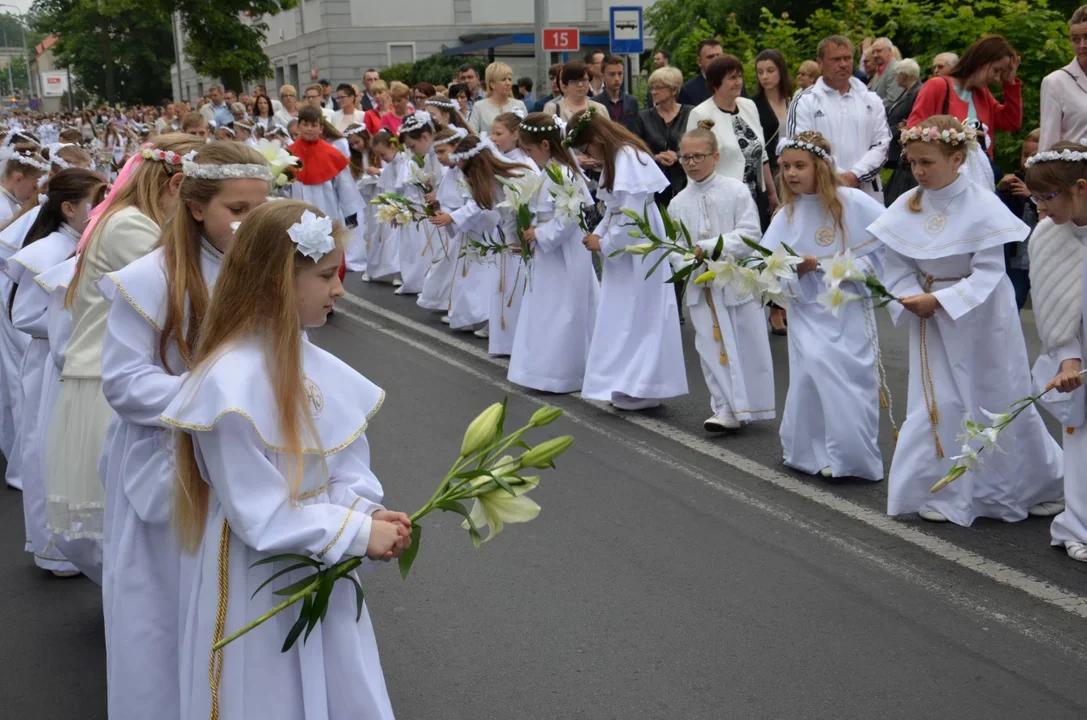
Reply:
x=340, y=39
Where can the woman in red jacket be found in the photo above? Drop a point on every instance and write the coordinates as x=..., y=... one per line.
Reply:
x=964, y=91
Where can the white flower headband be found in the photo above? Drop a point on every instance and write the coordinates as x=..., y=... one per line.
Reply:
x=1055, y=156
x=520, y=112
x=57, y=160
x=26, y=157
x=484, y=144
x=931, y=134
x=417, y=121
x=210, y=171
x=243, y=124
x=806, y=146
x=313, y=235
x=354, y=131
x=443, y=104
x=458, y=135
x=156, y=155
x=557, y=124
x=42, y=198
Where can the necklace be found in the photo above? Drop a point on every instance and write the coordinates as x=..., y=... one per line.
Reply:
x=938, y=220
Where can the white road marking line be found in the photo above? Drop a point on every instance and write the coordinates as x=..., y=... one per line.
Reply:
x=996, y=571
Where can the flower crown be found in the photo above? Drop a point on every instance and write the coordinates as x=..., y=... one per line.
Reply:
x=930, y=134
x=579, y=125
x=26, y=157
x=417, y=121
x=154, y=154
x=42, y=198
x=354, y=131
x=557, y=124
x=458, y=135
x=443, y=104
x=485, y=143
x=312, y=235
x=244, y=124
x=60, y=162
x=803, y=142
x=1055, y=156
x=210, y=171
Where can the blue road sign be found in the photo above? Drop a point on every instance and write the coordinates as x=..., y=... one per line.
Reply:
x=626, y=30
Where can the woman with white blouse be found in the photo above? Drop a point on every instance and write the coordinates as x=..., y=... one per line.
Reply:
x=737, y=127
x=1064, y=91
x=289, y=97
x=499, y=80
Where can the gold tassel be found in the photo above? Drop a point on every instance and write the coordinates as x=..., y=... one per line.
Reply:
x=896, y=435
x=939, y=448
x=882, y=400
x=724, y=358
x=934, y=417
x=716, y=333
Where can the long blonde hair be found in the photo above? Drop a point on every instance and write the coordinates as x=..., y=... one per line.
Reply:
x=254, y=297
x=827, y=182
x=941, y=123
x=143, y=191
x=181, y=244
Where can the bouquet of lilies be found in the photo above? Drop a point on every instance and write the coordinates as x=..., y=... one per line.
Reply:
x=283, y=164
x=497, y=484
x=519, y=193
x=979, y=440
x=570, y=201
x=400, y=210
x=760, y=274
x=419, y=176
x=843, y=268
x=677, y=239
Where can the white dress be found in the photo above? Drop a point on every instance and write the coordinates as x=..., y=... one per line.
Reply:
x=831, y=416
x=420, y=242
x=229, y=408
x=474, y=277
x=512, y=277
x=355, y=255
x=636, y=348
x=730, y=330
x=338, y=198
x=82, y=415
x=383, y=250
x=558, y=311
x=970, y=356
x=142, y=567
x=438, y=283
x=30, y=316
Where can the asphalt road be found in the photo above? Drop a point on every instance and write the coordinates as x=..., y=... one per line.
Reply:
x=669, y=574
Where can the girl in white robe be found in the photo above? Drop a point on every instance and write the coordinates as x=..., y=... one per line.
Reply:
x=438, y=283
x=558, y=312
x=730, y=332
x=127, y=229
x=636, y=355
x=945, y=259
x=146, y=354
x=1058, y=273
x=420, y=242
x=383, y=251
x=51, y=239
x=365, y=173
x=830, y=425
x=260, y=473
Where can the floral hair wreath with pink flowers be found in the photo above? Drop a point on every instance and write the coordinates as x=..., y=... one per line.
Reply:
x=953, y=137
x=150, y=152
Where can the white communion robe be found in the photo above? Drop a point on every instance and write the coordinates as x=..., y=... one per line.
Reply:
x=338, y=198
x=735, y=359
x=420, y=243
x=383, y=250
x=636, y=348
x=971, y=355
x=831, y=416
x=512, y=276
x=474, y=277
x=30, y=315
x=145, y=580
x=558, y=311
x=355, y=254
x=229, y=408
x=1058, y=274
x=438, y=283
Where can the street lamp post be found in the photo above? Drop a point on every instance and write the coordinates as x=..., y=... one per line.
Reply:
x=26, y=52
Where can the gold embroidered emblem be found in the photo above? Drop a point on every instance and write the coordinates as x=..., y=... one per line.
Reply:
x=316, y=398
x=824, y=236
x=935, y=224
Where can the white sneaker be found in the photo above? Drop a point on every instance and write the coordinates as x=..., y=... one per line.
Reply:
x=932, y=516
x=397, y=282
x=622, y=401
x=1076, y=551
x=827, y=472
x=482, y=333
x=366, y=277
x=74, y=573
x=445, y=319
x=721, y=422
x=1047, y=509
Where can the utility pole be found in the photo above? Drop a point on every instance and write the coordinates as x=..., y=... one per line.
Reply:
x=542, y=61
x=11, y=83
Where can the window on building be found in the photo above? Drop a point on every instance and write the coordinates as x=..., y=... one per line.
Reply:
x=200, y=89
x=401, y=53
x=281, y=78
x=292, y=75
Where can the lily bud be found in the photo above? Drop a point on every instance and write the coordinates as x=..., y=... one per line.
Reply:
x=705, y=277
x=956, y=472
x=545, y=415
x=481, y=431
x=542, y=455
x=642, y=249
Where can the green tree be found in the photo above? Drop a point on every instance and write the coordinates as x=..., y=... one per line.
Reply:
x=437, y=69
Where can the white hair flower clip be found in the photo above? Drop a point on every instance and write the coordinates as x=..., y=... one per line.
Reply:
x=42, y=198
x=313, y=235
x=1055, y=156
x=520, y=112
x=234, y=227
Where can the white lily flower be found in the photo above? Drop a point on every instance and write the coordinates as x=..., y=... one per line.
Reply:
x=996, y=418
x=969, y=458
x=781, y=299
x=495, y=508
x=834, y=299
x=768, y=282
x=989, y=437
x=970, y=430
x=781, y=264
x=746, y=281
x=725, y=272
x=840, y=268
x=403, y=217
x=387, y=213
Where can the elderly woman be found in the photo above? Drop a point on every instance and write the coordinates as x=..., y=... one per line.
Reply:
x=662, y=125
x=807, y=74
x=499, y=82
x=1064, y=91
x=288, y=97
x=738, y=130
x=400, y=95
x=908, y=77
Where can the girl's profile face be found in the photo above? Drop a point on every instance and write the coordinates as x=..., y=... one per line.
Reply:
x=387, y=152
x=503, y=139
x=540, y=153
x=1063, y=206
x=798, y=170
x=317, y=288
x=443, y=152
x=357, y=143
x=420, y=145
x=232, y=204
x=78, y=214
x=933, y=167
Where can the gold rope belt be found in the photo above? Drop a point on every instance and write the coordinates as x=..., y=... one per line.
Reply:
x=215, y=666
x=927, y=385
x=716, y=326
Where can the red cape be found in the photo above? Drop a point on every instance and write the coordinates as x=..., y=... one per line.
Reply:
x=320, y=161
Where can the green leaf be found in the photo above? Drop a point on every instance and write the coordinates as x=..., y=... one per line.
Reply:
x=524, y=217
x=669, y=226
x=788, y=250
x=295, y=587
x=682, y=274
x=320, y=601
x=477, y=539
x=408, y=558
x=360, y=596
x=454, y=506
x=290, y=569
x=501, y=481
x=502, y=417
x=756, y=247
x=718, y=248
x=662, y=258
x=686, y=234
x=287, y=557
x=299, y=625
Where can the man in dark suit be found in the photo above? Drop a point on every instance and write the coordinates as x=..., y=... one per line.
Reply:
x=556, y=91
x=622, y=106
x=694, y=91
x=367, y=100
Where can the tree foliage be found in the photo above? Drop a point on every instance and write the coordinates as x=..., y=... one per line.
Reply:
x=438, y=69
x=919, y=28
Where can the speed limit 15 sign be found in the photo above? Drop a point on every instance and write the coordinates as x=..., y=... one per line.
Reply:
x=561, y=39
